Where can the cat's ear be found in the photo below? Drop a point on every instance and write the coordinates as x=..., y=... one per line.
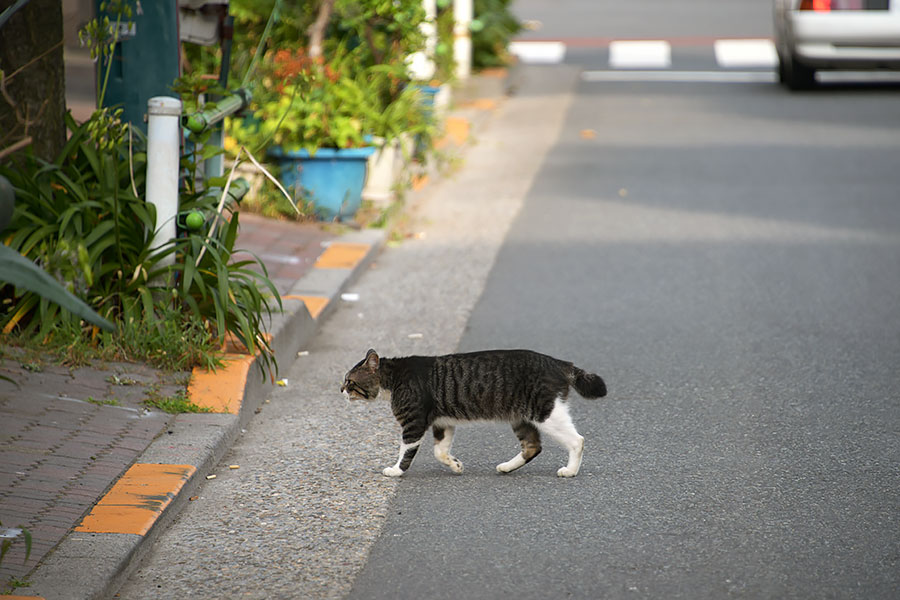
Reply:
x=372, y=359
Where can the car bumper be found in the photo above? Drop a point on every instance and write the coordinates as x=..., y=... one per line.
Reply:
x=848, y=40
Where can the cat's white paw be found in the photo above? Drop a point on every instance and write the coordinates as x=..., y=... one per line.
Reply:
x=567, y=472
x=393, y=472
x=455, y=465
x=507, y=467
x=512, y=464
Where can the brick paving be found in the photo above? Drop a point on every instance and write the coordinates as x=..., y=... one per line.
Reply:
x=288, y=249
x=66, y=435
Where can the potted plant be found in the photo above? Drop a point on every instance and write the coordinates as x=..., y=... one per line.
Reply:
x=401, y=113
x=312, y=119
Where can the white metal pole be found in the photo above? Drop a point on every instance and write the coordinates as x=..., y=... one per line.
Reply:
x=163, y=154
x=462, y=40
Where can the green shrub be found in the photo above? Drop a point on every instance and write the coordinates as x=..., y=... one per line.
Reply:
x=83, y=218
x=496, y=25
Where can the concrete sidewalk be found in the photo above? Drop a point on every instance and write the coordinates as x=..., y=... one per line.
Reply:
x=95, y=475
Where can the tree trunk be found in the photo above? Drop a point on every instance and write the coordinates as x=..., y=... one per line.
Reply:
x=317, y=29
x=32, y=92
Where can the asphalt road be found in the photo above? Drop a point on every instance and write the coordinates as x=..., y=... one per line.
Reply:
x=727, y=256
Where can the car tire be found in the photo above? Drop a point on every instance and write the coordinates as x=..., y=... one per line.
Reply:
x=795, y=75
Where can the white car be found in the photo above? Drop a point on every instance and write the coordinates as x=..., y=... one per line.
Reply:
x=811, y=35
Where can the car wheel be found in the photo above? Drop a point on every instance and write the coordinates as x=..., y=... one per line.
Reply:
x=795, y=75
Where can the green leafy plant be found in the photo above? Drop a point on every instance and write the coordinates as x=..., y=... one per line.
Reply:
x=175, y=404
x=302, y=103
x=386, y=31
x=17, y=270
x=444, y=58
x=493, y=27
x=307, y=104
x=84, y=217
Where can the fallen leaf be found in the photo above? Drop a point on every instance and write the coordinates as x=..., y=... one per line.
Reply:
x=588, y=134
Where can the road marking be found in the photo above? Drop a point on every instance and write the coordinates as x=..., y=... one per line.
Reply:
x=533, y=53
x=679, y=76
x=640, y=54
x=745, y=53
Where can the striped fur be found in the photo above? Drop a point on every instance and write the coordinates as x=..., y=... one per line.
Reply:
x=524, y=388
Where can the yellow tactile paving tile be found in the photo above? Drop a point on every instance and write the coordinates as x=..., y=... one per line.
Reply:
x=341, y=255
x=137, y=499
x=314, y=304
x=222, y=390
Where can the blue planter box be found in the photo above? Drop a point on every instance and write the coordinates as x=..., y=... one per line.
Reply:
x=332, y=179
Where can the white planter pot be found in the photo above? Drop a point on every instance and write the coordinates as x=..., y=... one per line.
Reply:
x=442, y=101
x=383, y=167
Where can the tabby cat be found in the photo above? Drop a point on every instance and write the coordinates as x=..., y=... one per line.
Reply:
x=524, y=388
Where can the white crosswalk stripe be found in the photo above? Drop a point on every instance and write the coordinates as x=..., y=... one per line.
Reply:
x=655, y=54
x=640, y=54
x=538, y=52
x=742, y=54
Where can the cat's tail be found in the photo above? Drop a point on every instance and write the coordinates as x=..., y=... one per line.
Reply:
x=589, y=385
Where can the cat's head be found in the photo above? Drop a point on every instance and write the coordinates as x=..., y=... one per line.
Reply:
x=362, y=381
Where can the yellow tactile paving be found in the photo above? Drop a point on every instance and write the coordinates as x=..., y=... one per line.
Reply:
x=342, y=255
x=137, y=499
x=221, y=390
x=314, y=304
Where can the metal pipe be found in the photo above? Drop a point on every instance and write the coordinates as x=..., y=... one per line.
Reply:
x=163, y=154
x=202, y=120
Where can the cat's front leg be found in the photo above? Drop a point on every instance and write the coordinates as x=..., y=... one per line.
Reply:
x=409, y=445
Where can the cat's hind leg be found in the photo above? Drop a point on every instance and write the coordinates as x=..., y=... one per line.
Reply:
x=530, y=439
x=559, y=426
x=443, y=440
